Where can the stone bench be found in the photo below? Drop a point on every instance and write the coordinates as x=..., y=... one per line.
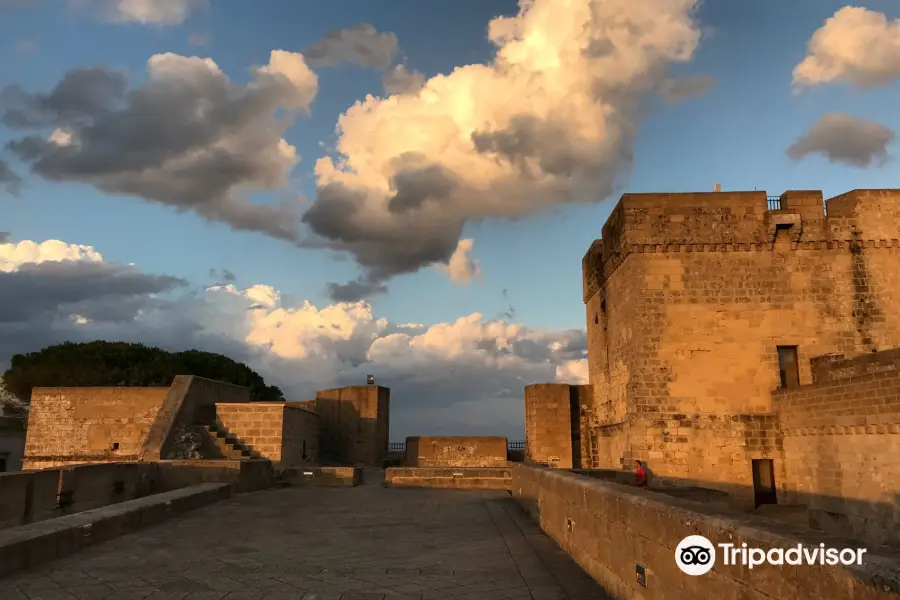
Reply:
x=322, y=476
x=469, y=478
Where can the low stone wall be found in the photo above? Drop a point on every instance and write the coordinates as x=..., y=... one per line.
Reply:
x=610, y=529
x=32, y=496
x=456, y=451
x=323, y=476
x=31, y=545
x=27, y=496
x=471, y=478
x=247, y=475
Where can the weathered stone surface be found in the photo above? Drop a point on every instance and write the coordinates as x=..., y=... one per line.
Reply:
x=455, y=451
x=278, y=431
x=473, y=478
x=355, y=424
x=688, y=298
x=609, y=528
x=318, y=543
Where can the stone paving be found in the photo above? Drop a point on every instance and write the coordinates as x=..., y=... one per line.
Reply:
x=362, y=543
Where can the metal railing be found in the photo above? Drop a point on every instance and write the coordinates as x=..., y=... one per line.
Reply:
x=401, y=446
x=774, y=202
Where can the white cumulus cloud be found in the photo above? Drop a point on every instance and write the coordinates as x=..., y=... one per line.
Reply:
x=857, y=46
x=462, y=268
x=551, y=119
x=15, y=254
x=464, y=376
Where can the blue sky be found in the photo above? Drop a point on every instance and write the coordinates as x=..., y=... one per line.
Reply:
x=736, y=134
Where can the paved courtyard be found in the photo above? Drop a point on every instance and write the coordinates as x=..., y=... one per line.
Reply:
x=363, y=543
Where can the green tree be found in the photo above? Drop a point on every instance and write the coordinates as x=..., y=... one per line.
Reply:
x=124, y=364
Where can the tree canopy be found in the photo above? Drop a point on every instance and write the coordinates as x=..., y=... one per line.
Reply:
x=124, y=364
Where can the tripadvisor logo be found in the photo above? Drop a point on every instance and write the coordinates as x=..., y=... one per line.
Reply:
x=696, y=555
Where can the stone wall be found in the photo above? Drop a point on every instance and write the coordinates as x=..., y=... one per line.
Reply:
x=456, y=451
x=300, y=437
x=275, y=431
x=834, y=367
x=462, y=478
x=842, y=440
x=548, y=429
x=610, y=529
x=555, y=425
x=688, y=297
x=355, y=424
x=258, y=425
x=89, y=424
x=113, y=424
x=188, y=397
x=38, y=495
x=712, y=451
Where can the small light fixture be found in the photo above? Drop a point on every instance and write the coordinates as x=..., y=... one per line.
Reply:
x=370, y=379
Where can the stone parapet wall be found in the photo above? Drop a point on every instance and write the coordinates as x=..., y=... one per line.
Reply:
x=89, y=424
x=37, y=495
x=609, y=529
x=834, y=367
x=842, y=439
x=456, y=451
x=463, y=478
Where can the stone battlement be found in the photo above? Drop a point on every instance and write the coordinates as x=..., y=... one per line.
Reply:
x=740, y=221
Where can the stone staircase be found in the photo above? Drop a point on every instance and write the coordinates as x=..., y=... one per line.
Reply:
x=218, y=440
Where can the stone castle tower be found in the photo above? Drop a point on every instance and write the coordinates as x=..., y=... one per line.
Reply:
x=699, y=306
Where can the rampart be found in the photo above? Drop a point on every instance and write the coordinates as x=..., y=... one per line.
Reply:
x=87, y=424
x=38, y=495
x=612, y=530
x=78, y=425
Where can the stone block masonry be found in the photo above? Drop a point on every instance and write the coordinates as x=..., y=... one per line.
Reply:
x=554, y=425
x=690, y=296
x=456, y=451
x=842, y=436
x=609, y=529
x=78, y=425
x=89, y=424
x=355, y=424
x=285, y=434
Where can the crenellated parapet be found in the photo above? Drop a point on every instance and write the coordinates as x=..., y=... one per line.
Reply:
x=740, y=222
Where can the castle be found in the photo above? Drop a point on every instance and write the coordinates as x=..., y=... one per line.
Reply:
x=742, y=343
